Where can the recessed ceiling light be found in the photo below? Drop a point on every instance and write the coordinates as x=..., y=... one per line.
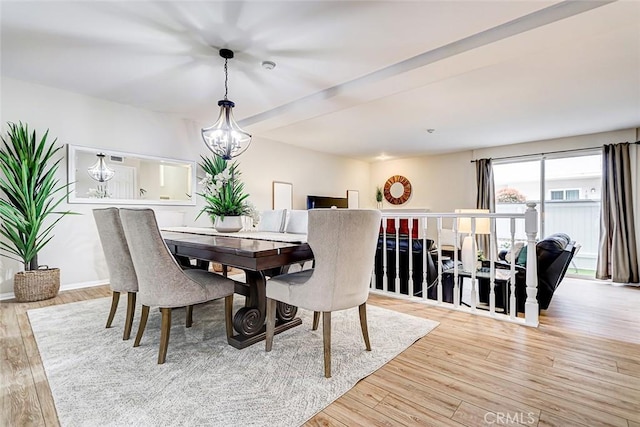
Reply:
x=383, y=157
x=268, y=65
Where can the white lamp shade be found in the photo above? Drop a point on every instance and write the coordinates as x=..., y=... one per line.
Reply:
x=483, y=225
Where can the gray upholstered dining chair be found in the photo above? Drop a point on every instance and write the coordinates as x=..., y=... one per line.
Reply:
x=162, y=283
x=343, y=242
x=122, y=275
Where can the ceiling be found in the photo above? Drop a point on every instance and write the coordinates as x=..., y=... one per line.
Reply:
x=358, y=79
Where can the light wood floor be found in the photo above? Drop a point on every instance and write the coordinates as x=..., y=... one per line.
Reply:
x=581, y=367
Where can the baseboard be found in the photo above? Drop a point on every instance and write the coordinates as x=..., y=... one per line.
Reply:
x=67, y=287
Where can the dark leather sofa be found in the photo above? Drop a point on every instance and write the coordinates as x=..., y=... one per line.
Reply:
x=417, y=255
x=554, y=254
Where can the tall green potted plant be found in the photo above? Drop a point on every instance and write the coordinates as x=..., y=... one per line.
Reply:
x=29, y=195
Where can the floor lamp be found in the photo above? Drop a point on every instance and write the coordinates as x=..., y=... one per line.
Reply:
x=469, y=252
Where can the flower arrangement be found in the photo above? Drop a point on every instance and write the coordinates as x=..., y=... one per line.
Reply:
x=223, y=190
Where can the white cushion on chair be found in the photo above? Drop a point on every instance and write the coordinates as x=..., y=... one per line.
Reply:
x=272, y=220
x=298, y=222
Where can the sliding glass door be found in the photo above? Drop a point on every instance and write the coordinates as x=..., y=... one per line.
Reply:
x=566, y=190
x=572, y=205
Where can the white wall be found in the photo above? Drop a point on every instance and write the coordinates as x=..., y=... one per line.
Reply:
x=445, y=182
x=311, y=172
x=595, y=140
x=439, y=183
x=81, y=120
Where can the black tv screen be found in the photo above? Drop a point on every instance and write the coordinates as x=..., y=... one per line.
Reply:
x=315, y=202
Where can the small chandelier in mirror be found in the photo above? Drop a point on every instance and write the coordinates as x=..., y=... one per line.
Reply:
x=225, y=138
x=100, y=171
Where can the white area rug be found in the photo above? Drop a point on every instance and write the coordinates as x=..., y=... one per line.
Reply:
x=97, y=379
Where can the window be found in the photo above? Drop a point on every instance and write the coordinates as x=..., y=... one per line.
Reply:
x=573, y=194
x=557, y=195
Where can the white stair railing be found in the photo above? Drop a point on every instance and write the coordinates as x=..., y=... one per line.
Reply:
x=418, y=288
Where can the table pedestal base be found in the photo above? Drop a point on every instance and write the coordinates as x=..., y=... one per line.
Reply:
x=242, y=341
x=249, y=321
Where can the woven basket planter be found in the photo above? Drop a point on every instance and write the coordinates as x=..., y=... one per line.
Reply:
x=36, y=285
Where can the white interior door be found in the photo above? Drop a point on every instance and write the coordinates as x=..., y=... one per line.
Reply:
x=123, y=184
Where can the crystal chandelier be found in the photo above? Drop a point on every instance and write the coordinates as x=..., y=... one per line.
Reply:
x=225, y=138
x=100, y=171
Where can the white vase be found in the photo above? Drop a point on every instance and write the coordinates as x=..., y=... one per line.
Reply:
x=230, y=224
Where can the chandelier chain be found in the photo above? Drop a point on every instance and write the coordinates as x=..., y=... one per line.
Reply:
x=226, y=79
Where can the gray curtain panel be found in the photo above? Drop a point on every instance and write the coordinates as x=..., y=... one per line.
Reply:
x=486, y=199
x=617, y=254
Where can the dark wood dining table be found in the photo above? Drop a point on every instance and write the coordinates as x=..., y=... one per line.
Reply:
x=258, y=259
